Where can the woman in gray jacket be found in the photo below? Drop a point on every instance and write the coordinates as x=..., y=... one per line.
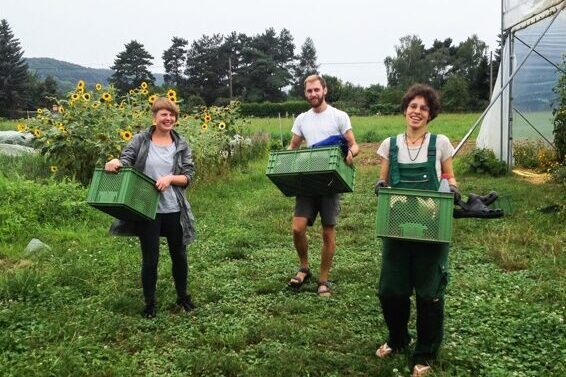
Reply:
x=162, y=154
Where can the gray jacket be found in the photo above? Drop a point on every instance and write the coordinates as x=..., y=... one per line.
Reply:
x=135, y=154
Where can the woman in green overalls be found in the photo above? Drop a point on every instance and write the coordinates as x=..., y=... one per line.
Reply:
x=415, y=160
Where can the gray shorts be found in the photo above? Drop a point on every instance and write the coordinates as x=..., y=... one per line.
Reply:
x=327, y=205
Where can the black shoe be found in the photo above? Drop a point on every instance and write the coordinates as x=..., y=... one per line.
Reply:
x=186, y=303
x=149, y=310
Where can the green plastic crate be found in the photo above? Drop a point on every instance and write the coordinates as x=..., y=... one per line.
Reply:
x=419, y=215
x=128, y=195
x=310, y=171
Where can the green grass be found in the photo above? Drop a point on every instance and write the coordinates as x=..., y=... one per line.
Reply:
x=374, y=128
x=7, y=125
x=75, y=311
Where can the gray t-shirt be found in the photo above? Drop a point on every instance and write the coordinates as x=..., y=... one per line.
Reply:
x=159, y=162
x=444, y=151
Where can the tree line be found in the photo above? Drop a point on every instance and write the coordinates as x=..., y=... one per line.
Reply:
x=266, y=68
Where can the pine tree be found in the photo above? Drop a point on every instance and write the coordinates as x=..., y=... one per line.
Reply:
x=131, y=68
x=174, y=59
x=207, y=69
x=305, y=66
x=13, y=70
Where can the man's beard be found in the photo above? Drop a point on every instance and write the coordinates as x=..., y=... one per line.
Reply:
x=316, y=102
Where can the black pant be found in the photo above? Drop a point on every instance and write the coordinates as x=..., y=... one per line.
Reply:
x=167, y=225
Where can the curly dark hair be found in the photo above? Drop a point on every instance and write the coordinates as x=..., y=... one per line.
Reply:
x=429, y=94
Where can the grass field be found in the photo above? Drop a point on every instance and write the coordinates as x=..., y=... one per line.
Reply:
x=75, y=311
x=373, y=128
x=7, y=125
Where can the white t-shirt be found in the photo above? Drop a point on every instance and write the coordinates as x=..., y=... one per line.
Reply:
x=444, y=150
x=315, y=127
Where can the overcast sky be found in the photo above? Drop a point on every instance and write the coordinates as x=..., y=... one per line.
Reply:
x=352, y=37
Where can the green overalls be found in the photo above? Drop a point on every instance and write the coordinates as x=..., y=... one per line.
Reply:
x=408, y=265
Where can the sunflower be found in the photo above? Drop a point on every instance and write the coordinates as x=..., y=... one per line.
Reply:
x=21, y=127
x=86, y=97
x=204, y=126
x=61, y=109
x=207, y=117
x=75, y=96
x=143, y=85
x=171, y=93
x=131, y=91
x=53, y=168
x=40, y=111
x=126, y=135
x=81, y=84
x=145, y=92
x=37, y=132
x=152, y=98
x=221, y=125
x=98, y=86
x=107, y=96
x=96, y=105
x=61, y=128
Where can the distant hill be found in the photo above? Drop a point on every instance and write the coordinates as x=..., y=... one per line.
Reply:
x=68, y=74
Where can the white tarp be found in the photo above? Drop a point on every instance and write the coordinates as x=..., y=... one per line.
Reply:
x=492, y=135
x=516, y=12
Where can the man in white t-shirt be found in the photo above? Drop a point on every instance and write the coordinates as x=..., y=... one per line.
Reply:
x=321, y=122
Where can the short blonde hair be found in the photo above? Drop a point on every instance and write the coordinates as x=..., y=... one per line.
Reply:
x=315, y=77
x=162, y=103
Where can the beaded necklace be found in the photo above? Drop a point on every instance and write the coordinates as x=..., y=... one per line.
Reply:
x=420, y=147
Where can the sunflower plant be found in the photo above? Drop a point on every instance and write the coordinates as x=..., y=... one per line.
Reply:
x=212, y=132
x=89, y=127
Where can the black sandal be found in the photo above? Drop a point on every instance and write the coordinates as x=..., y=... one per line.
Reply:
x=323, y=289
x=296, y=281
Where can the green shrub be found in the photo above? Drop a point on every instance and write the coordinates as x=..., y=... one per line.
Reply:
x=31, y=166
x=558, y=174
x=560, y=134
x=560, y=116
x=269, y=109
x=483, y=161
x=534, y=155
x=32, y=205
x=385, y=109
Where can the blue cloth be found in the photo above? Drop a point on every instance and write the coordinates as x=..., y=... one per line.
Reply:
x=333, y=140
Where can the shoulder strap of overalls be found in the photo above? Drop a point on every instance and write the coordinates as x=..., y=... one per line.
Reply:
x=432, y=149
x=394, y=175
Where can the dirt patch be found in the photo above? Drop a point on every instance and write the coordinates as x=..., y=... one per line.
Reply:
x=531, y=176
x=368, y=154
